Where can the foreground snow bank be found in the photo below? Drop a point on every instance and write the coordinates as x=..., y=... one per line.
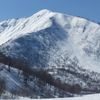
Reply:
x=86, y=97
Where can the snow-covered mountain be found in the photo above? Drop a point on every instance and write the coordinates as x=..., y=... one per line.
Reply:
x=52, y=35
x=67, y=47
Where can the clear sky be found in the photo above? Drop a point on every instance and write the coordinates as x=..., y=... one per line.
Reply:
x=22, y=8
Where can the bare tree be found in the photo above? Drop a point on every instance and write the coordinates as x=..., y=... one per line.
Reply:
x=2, y=86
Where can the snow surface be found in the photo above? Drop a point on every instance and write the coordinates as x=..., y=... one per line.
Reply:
x=86, y=97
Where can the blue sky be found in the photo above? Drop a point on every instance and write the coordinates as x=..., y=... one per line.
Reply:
x=22, y=8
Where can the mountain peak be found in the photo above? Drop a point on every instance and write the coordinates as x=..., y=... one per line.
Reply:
x=45, y=10
x=42, y=12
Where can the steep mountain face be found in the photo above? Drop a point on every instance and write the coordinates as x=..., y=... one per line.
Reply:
x=67, y=47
